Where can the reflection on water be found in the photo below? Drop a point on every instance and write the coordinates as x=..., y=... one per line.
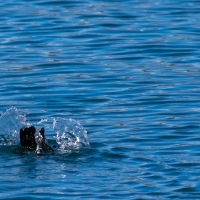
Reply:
x=128, y=71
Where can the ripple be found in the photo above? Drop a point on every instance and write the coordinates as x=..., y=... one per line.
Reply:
x=128, y=71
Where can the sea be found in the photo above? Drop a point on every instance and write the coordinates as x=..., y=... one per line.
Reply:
x=115, y=84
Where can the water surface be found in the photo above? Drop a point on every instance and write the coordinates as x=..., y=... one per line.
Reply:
x=128, y=71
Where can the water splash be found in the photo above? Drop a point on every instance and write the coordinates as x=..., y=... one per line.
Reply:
x=10, y=122
x=68, y=133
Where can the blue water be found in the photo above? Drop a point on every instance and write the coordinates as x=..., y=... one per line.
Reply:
x=128, y=72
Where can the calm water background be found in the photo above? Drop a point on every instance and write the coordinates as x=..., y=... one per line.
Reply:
x=129, y=72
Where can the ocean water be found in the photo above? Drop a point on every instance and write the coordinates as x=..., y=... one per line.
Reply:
x=127, y=74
